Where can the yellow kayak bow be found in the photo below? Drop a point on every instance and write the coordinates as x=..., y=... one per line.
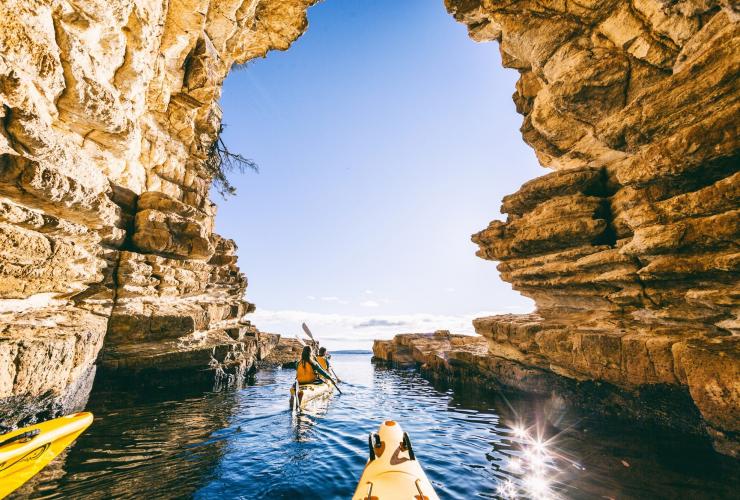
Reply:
x=24, y=452
x=392, y=471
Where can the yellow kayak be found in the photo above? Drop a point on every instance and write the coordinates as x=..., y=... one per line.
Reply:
x=309, y=392
x=392, y=471
x=24, y=452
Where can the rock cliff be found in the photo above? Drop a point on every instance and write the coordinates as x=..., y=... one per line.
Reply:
x=285, y=354
x=107, y=113
x=466, y=361
x=630, y=247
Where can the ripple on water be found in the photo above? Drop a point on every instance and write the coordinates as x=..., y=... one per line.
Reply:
x=247, y=444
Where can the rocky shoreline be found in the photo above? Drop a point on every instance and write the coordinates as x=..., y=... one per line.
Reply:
x=466, y=360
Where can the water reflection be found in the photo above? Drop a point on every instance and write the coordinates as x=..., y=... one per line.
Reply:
x=248, y=444
x=136, y=444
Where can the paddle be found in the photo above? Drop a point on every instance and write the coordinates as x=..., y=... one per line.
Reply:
x=310, y=335
x=308, y=332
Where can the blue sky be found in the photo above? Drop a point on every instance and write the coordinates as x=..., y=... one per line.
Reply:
x=385, y=138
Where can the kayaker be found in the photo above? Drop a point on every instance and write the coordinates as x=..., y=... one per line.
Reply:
x=323, y=359
x=308, y=370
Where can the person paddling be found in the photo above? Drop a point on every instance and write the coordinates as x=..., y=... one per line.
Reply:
x=323, y=360
x=308, y=370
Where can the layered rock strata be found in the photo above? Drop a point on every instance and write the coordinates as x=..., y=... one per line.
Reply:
x=285, y=354
x=630, y=247
x=107, y=112
x=465, y=360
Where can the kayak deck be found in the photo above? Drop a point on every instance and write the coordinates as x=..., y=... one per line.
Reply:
x=311, y=392
x=393, y=472
x=24, y=452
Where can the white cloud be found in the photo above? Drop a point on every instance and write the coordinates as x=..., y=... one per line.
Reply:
x=369, y=292
x=449, y=290
x=334, y=299
x=349, y=331
x=311, y=297
x=374, y=323
x=369, y=303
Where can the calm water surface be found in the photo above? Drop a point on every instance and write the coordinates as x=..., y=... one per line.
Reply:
x=246, y=444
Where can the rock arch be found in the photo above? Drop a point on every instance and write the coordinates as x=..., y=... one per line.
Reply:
x=629, y=247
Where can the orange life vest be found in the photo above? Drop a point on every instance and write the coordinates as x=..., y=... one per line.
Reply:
x=305, y=374
x=323, y=362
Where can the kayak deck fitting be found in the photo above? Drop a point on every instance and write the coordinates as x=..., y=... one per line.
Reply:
x=392, y=471
x=24, y=452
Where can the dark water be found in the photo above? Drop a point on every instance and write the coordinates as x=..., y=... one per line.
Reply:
x=246, y=444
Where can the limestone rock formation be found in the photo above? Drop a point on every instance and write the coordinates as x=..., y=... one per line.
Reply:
x=284, y=354
x=468, y=361
x=630, y=247
x=433, y=350
x=107, y=112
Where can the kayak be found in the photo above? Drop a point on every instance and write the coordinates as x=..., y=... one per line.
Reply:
x=392, y=471
x=310, y=392
x=24, y=452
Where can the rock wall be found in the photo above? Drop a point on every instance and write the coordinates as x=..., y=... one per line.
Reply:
x=107, y=111
x=466, y=361
x=630, y=247
x=285, y=354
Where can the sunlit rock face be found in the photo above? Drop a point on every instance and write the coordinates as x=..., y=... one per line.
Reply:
x=467, y=361
x=285, y=353
x=630, y=247
x=107, y=110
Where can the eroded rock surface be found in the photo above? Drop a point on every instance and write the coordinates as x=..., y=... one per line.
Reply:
x=107, y=111
x=285, y=354
x=630, y=247
x=469, y=361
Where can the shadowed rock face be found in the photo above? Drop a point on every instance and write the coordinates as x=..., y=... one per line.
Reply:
x=107, y=111
x=630, y=247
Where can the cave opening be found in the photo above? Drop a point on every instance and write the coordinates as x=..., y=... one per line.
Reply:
x=385, y=138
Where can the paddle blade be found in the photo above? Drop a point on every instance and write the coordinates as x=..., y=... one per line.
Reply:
x=308, y=332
